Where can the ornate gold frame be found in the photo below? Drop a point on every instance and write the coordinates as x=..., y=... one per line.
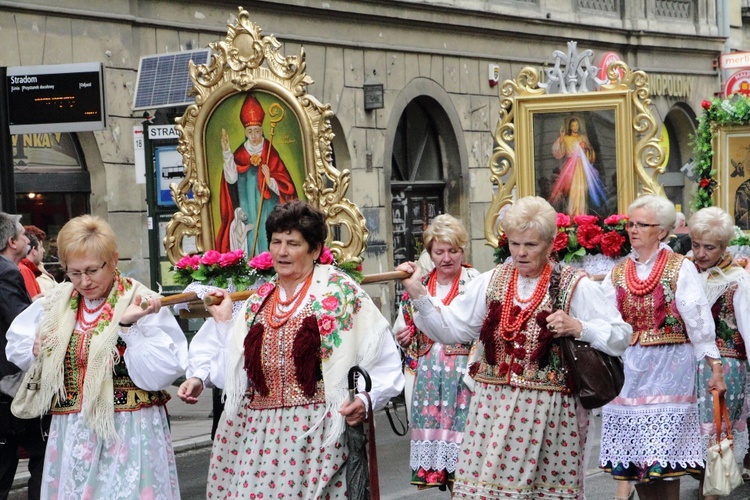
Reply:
x=246, y=61
x=639, y=154
x=725, y=194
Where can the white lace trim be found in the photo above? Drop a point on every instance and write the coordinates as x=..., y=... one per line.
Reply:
x=202, y=290
x=739, y=251
x=668, y=434
x=525, y=287
x=596, y=264
x=434, y=455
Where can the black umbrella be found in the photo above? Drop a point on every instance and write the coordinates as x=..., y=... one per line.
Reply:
x=361, y=477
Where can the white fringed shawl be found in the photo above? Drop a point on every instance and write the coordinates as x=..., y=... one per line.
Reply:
x=357, y=321
x=717, y=279
x=56, y=330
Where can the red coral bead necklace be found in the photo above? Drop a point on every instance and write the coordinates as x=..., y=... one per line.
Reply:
x=510, y=325
x=277, y=318
x=639, y=287
x=452, y=293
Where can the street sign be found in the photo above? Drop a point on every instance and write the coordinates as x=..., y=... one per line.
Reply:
x=735, y=60
x=55, y=98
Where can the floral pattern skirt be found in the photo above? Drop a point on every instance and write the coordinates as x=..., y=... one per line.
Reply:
x=522, y=444
x=439, y=408
x=78, y=464
x=261, y=454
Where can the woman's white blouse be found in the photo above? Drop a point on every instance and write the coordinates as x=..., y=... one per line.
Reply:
x=156, y=351
x=208, y=350
x=692, y=303
x=461, y=321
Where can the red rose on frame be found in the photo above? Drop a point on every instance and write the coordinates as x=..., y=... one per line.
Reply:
x=615, y=219
x=706, y=104
x=210, y=258
x=705, y=183
x=563, y=220
x=611, y=243
x=326, y=256
x=586, y=220
x=589, y=235
x=262, y=261
x=561, y=241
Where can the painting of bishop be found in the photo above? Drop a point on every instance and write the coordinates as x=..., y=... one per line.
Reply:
x=258, y=165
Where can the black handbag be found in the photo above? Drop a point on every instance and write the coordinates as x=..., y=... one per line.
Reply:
x=597, y=378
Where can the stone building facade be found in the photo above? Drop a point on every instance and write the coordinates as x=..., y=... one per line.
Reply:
x=428, y=147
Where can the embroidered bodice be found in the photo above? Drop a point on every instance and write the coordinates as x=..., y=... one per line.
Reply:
x=280, y=384
x=513, y=362
x=421, y=343
x=127, y=397
x=653, y=316
x=728, y=338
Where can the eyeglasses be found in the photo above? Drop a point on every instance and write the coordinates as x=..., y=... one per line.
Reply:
x=640, y=225
x=90, y=273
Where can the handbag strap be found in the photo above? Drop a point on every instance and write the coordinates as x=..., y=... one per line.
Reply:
x=372, y=454
x=721, y=415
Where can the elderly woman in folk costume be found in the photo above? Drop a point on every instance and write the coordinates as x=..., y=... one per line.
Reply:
x=104, y=363
x=434, y=372
x=651, y=431
x=283, y=364
x=525, y=434
x=727, y=287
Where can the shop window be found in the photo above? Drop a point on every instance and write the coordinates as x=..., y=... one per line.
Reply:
x=51, y=182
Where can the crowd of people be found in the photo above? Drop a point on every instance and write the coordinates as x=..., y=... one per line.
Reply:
x=492, y=411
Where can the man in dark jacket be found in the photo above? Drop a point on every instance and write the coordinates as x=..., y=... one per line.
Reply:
x=14, y=433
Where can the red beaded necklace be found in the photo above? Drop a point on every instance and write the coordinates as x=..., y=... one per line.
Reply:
x=82, y=303
x=510, y=326
x=639, y=287
x=85, y=324
x=274, y=316
x=452, y=293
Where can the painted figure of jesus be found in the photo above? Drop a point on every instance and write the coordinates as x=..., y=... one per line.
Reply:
x=578, y=177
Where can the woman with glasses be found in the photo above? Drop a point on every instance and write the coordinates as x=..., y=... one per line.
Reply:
x=105, y=362
x=651, y=431
x=727, y=287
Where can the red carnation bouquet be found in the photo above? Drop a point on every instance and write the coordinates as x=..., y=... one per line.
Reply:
x=215, y=268
x=580, y=236
x=221, y=269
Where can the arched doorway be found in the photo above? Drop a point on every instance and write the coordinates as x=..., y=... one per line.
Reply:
x=427, y=164
x=680, y=124
x=417, y=179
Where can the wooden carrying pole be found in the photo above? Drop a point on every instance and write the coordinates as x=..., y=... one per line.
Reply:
x=210, y=300
x=171, y=300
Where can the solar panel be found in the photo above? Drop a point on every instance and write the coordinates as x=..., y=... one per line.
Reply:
x=164, y=79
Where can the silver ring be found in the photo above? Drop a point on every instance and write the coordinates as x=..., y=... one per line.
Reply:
x=552, y=328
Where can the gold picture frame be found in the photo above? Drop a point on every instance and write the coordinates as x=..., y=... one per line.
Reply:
x=248, y=81
x=732, y=162
x=623, y=104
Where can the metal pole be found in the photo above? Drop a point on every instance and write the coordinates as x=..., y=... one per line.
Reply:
x=7, y=177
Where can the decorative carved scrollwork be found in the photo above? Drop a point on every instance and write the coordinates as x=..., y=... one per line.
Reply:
x=248, y=61
x=626, y=93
